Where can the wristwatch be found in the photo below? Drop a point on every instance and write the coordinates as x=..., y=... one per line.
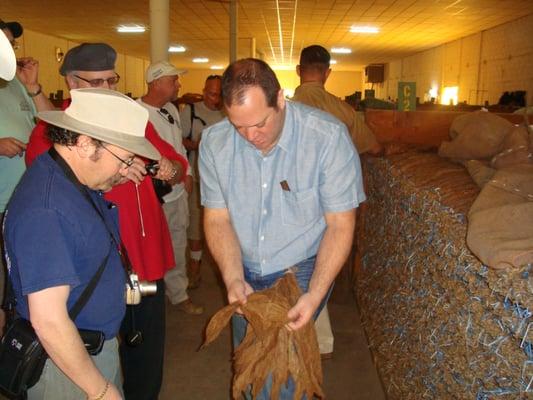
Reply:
x=37, y=93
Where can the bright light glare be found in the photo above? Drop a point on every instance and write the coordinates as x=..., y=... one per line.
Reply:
x=131, y=29
x=341, y=50
x=176, y=49
x=217, y=67
x=289, y=93
x=450, y=95
x=332, y=61
x=200, y=60
x=364, y=29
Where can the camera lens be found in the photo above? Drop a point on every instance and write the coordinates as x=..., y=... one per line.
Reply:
x=152, y=168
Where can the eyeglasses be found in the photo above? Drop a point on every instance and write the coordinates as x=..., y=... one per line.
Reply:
x=100, y=82
x=128, y=162
x=165, y=114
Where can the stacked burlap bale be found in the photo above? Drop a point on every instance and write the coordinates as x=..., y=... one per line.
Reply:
x=440, y=324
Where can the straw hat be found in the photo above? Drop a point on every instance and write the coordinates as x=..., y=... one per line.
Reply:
x=108, y=116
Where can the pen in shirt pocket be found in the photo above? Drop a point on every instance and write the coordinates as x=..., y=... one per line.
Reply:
x=285, y=186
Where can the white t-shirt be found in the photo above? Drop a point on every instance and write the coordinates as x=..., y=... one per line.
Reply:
x=210, y=117
x=168, y=126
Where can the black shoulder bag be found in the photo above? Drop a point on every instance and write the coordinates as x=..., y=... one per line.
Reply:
x=22, y=355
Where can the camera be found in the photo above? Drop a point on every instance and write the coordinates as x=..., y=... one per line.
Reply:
x=152, y=168
x=137, y=289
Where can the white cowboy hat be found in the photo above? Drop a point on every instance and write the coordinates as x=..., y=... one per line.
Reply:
x=108, y=116
x=8, y=61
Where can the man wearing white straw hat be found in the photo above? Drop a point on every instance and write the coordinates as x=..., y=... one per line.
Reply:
x=60, y=199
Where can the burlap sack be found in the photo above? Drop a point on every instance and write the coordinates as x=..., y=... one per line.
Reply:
x=500, y=222
x=269, y=347
x=477, y=135
x=515, y=149
x=480, y=172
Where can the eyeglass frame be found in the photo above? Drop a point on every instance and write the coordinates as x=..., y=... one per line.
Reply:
x=110, y=81
x=166, y=115
x=128, y=163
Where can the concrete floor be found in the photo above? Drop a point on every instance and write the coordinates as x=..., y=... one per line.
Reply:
x=206, y=374
x=191, y=374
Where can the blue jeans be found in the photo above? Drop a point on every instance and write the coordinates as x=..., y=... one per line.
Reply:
x=303, y=272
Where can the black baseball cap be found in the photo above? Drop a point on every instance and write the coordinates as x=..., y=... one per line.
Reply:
x=89, y=57
x=15, y=28
x=314, y=54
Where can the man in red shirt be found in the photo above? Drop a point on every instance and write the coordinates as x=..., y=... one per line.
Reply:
x=143, y=227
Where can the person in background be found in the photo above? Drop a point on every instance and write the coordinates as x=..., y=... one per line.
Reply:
x=163, y=86
x=314, y=70
x=59, y=198
x=20, y=99
x=143, y=225
x=280, y=184
x=195, y=118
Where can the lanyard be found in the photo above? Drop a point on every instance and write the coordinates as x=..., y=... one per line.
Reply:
x=85, y=193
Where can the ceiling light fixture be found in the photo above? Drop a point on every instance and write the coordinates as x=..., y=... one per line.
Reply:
x=178, y=48
x=364, y=29
x=216, y=67
x=341, y=50
x=332, y=61
x=131, y=29
x=200, y=60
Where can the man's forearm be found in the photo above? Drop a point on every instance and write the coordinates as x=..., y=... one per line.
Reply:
x=61, y=340
x=333, y=251
x=65, y=347
x=42, y=103
x=223, y=244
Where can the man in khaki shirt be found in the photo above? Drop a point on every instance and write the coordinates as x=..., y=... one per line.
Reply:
x=313, y=71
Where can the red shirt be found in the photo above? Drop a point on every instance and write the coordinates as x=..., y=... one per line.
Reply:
x=143, y=226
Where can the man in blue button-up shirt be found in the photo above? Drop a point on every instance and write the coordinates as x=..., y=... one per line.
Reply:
x=280, y=183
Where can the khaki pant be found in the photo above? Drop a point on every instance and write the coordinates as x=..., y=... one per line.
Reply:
x=195, y=230
x=324, y=334
x=176, y=281
x=55, y=385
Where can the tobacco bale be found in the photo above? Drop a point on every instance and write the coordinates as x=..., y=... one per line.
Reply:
x=441, y=325
x=269, y=347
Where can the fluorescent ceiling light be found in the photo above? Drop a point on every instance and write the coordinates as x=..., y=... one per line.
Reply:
x=341, y=50
x=364, y=29
x=216, y=67
x=176, y=49
x=131, y=29
x=332, y=61
x=200, y=60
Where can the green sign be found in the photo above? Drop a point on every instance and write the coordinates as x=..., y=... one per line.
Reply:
x=406, y=96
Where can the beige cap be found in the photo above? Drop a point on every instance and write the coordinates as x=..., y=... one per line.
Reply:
x=162, y=68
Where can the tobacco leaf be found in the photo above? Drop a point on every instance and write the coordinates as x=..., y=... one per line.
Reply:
x=269, y=347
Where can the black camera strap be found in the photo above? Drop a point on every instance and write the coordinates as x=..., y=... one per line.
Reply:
x=83, y=190
x=80, y=303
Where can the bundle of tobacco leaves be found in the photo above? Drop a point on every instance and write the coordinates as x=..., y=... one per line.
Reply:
x=269, y=347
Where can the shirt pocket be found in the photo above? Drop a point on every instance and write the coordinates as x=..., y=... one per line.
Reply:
x=299, y=208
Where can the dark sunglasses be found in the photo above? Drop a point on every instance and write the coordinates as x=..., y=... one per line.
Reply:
x=165, y=114
x=100, y=82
